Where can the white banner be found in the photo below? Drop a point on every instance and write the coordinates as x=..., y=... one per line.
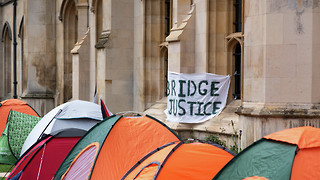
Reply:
x=195, y=98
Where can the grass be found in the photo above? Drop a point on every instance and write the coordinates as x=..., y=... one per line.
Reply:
x=5, y=168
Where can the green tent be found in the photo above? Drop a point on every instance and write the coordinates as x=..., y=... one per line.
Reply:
x=18, y=127
x=290, y=154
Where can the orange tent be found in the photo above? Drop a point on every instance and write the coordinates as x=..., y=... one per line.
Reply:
x=181, y=161
x=16, y=105
x=288, y=154
x=141, y=147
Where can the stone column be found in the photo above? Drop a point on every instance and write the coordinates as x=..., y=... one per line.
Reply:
x=139, y=57
x=181, y=45
x=39, y=54
x=83, y=8
x=201, y=36
x=92, y=58
x=81, y=69
x=86, y=67
x=280, y=61
x=179, y=8
x=103, y=85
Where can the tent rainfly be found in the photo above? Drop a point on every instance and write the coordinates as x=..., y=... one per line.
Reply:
x=16, y=105
x=43, y=159
x=19, y=125
x=291, y=154
x=141, y=148
x=55, y=135
x=77, y=116
x=6, y=156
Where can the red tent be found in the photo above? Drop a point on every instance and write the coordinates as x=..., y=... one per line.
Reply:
x=43, y=159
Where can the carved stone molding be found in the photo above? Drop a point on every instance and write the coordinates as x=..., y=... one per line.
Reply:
x=77, y=46
x=234, y=36
x=103, y=39
x=176, y=32
x=279, y=112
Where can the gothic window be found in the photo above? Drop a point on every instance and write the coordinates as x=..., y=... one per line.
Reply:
x=70, y=24
x=6, y=61
x=238, y=15
x=237, y=72
x=237, y=52
x=167, y=27
x=167, y=17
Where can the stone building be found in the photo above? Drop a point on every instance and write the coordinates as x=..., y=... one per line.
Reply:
x=55, y=51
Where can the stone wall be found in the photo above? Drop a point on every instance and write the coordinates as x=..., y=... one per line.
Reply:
x=280, y=59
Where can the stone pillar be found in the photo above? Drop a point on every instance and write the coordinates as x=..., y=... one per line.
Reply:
x=181, y=45
x=87, y=87
x=83, y=8
x=103, y=79
x=179, y=9
x=75, y=74
x=81, y=69
x=39, y=54
x=118, y=77
x=280, y=61
x=92, y=58
x=139, y=58
x=201, y=36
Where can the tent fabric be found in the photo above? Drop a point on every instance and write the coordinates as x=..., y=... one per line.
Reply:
x=139, y=148
x=104, y=110
x=255, y=178
x=22, y=162
x=194, y=161
x=81, y=166
x=265, y=158
x=158, y=155
x=181, y=161
x=16, y=105
x=306, y=137
x=6, y=156
x=306, y=164
x=149, y=171
x=307, y=160
x=43, y=161
x=289, y=154
x=19, y=127
x=96, y=134
x=122, y=142
x=78, y=115
x=118, y=155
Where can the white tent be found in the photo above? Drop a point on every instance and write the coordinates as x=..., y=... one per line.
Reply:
x=73, y=118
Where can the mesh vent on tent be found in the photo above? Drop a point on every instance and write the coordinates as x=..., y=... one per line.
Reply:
x=81, y=166
x=19, y=127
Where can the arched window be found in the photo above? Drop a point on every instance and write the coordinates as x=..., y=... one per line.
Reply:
x=6, y=61
x=237, y=15
x=237, y=51
x=157, y=28
x=164, y=53
x=235, y=42
x=70, y=27
x=237, y=71
x=167, y=17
